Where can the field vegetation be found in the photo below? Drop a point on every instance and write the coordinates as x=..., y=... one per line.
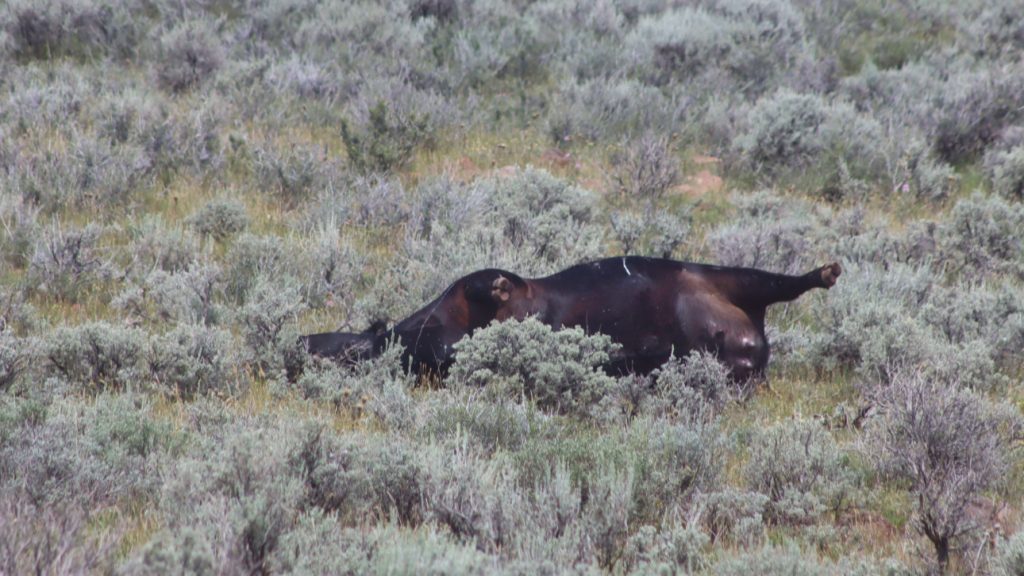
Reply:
x=186, y=186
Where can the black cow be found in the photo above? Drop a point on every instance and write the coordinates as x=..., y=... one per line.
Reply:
x=652, y=307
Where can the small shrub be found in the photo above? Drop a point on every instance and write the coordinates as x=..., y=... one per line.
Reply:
x=489, y=425
x=378, y=387
x=268, y=324
x=294, y=175
x=651, y=551
x=95, y=356
x=767, y=235
x=598, y=109
x=773, y=561
x=545, y=216
x=628, y=229
x=975, y=105
x=949, y=445
x=67, y=262
x=386, y=143
x=186, y=549
x=237, y=503
x=693, y=387
x=801, y=470
x=189, y=296
x=86, y=454
x=646, y=170
x=318, y=544
x=190, y=360
x=982, y=237
x=789, y=131
x=467, y=494
x=559, y=370
x=190, y=53
x=1007, y=172
x=82, y=28
x=681, y=461
x=750, y=42
x=252, y=257
x=14, y=358
x=733, y=514
x=1009, y=557
x=18, y=230
x=156, y=247
x=56, y=539
x=667, y=232
x=220, y=219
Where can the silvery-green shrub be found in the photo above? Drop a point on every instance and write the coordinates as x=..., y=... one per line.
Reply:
x=544, y=216
x=252, y=257
x=949, y=445
x=790, y=131
x=220, y=219
x=68, y=262
x=560, y=370
x=193, y=295
x=155, y=246
x=293, y=175
x=186, y=550
x=14, y=358
x=1007, y=172
x=267, y=322
x=645, y=170
x=747, y=43
x=491, y=425
x=333, y=270
x=1009, y=557
x=95, y=356
x=19, y=228
x=982, y=236
x=773, y=561
x=190, y=54
x=650, y=551
x=731, y=513
x=239, y=502
x=590, y=110
x=802, y=471
x=682, y=460
x=91, y=454
x=385, y=143
x=693, y=387
x=667, y=232
x=318, y=544
x=78, y=28
x=191, y=360
x=975, y=105
x=52, y=539
x=770, y=233
x=628, y=228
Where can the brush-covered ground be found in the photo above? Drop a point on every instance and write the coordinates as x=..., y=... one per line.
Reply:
x=187, y=186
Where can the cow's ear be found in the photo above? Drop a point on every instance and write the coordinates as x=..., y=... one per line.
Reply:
x=501, y=289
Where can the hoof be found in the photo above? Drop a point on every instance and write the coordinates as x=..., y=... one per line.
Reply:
x=501, y=289
x=829, y=274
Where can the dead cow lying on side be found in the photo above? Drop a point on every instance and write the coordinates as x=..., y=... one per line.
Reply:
x=652, y=307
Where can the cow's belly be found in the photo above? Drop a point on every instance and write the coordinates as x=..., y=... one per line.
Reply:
x=644, y=327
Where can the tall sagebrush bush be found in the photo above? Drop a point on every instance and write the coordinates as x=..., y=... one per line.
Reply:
x=950, y=445
x=559, y=370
